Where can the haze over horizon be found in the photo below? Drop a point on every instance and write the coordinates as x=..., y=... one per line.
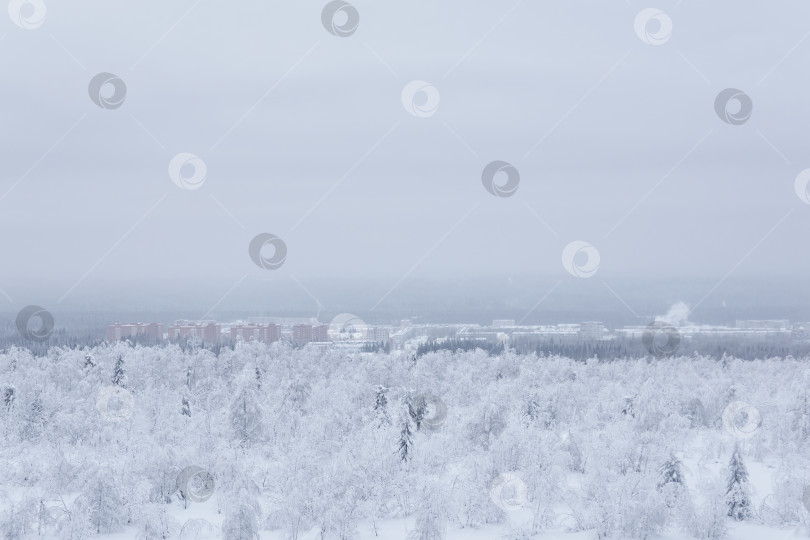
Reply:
x=304, y=135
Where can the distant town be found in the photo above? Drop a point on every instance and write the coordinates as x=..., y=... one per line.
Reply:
x=350, y=333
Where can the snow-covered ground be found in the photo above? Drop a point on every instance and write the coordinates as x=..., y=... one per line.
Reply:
x=270, y=442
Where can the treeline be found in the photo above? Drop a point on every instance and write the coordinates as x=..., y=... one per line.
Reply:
x=620, y=347
x=454, y=345
x=570, y=347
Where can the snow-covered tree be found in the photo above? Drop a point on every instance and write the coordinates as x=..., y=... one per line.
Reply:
x=417, y=408
x=696, y=413
x=671, y=472
x=106, y=509
x=241, y=507
x=247, y=417
x=531, y=410
x=405, y=448
x=629, y=408
x=9, y=395
x=241, y=523
x=119, y=375
x=737, y=497
x=429, y=523
x=708, y=519
x=382, y=418
x=77, y=523
x=44, y=519
x=34, y=421
x=15, y=521
x=155, y=523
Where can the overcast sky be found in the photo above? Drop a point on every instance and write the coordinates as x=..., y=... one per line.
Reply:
x=304, y=135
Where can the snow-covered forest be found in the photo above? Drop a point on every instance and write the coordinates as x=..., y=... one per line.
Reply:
x=264, y=441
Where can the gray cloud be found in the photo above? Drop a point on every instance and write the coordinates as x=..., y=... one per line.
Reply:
x=289, y=118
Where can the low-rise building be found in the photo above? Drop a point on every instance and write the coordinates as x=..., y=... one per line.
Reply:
x=118, y=331
x=207, y=332
x=379, y=334
x=308, y=333
x=772, y=324
x=592, y=330
x=266, y=333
